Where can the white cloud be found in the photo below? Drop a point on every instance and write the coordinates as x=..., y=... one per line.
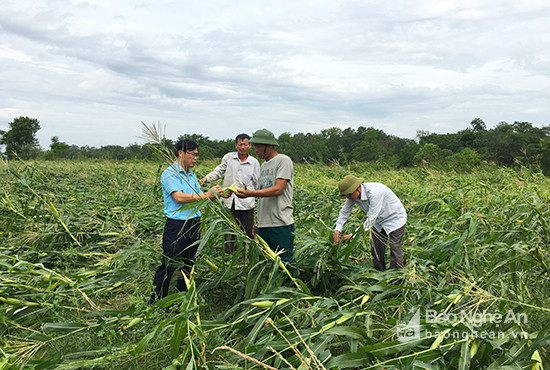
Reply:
x=91, y=71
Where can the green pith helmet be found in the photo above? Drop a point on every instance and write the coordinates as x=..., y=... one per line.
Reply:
x=263, y=136
x=349, y=184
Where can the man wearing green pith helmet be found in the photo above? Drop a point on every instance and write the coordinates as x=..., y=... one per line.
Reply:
x=385, y=215
x=274, y=220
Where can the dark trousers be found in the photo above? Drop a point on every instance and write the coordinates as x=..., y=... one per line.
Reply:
x=279, y=238
x=245, y=219
x=378, y=248
x=178, y=251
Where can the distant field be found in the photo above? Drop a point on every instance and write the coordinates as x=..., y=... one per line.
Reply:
x=80, y=241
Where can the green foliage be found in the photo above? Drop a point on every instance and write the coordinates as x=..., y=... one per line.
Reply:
x=77, y=257
x=517, y=144
x=432, y=154
x=465, y=160
x=544, y=156
x=210, y=149
x=20, y=139
x=478, y=125
x=57, y=149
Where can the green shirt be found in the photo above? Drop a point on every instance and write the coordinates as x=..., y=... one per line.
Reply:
x=276, y=211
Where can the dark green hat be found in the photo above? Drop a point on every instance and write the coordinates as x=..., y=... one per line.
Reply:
x=349, y=184
x=263, y=136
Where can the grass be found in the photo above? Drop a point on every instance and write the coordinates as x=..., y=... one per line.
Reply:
x=80, y=241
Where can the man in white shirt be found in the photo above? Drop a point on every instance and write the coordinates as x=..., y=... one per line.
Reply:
x=385, y=214
x=244, y=171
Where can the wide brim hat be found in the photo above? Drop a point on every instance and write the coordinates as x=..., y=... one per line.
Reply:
x=263, y=136
x=349, y=184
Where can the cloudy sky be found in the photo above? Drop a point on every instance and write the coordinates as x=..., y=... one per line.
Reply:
x=92, y=71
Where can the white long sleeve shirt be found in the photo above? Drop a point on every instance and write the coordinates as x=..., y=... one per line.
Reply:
x=245, y=173
x=383, y=208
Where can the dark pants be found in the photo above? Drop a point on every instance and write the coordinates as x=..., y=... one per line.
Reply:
x=279, y=238
x=378, y=248
x=178, y=249
x=246, y=220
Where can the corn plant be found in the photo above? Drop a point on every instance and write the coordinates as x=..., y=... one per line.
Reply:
x=80, y=240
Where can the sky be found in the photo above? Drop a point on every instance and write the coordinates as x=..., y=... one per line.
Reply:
x=92, y=71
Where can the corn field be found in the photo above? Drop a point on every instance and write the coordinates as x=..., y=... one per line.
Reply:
x=80, y=241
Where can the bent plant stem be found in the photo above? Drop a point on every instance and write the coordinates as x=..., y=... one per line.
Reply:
x=29, y=350
x=253, y=315
x=315, y=359
x=54, y=210
x=65, y=279
x=281, y=357
x=7, y=201
x=291, y=346
x=246, y=357
x=231, y=324
x=476, y=292
x=58, y=218
x=415, y=354
x=268, y=252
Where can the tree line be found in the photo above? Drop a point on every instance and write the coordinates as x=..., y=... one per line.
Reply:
x=518, y=143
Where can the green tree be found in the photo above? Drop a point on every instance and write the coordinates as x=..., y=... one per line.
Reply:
x=206, y=146
x=464, y=160
x=431, y=154
x=58, y=149
x=407, y=152
x=513, y=143
x=20, y=139
x=372, y=147
x=478, y=125
x=285, y=145
x=332, y=138
x=545, y=155
x=450, y=141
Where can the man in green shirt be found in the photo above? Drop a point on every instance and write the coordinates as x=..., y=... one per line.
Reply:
x=274, y=220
